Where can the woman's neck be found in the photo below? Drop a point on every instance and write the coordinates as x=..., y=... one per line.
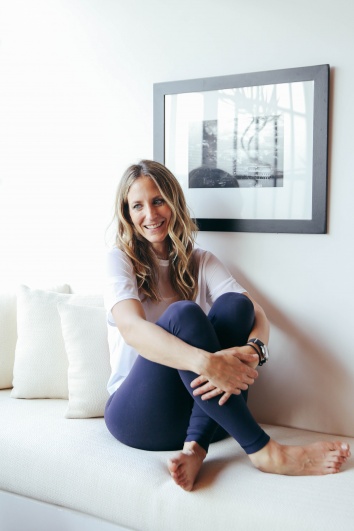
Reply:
x=161, y=252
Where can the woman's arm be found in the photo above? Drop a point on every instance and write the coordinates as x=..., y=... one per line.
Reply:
x=261, y=325
x=228, y=370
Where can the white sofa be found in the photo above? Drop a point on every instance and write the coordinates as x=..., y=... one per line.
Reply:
x=60, y=468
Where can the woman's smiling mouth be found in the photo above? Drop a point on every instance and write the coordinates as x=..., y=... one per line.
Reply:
x=154, y=226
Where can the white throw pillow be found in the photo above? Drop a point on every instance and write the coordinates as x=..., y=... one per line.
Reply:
x=8, y=333
x=85, y=337
x=41, y=364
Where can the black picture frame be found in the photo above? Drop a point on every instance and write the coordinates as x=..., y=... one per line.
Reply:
x=312, y=123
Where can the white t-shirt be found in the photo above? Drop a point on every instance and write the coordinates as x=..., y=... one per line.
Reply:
x=214, y=280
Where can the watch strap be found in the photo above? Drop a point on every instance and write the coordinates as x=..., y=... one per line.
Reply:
x=263, y=351
x=257, y=351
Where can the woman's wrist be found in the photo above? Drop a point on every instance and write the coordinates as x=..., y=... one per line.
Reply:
x=251, y=349
x=201, y=361
x=261, y=348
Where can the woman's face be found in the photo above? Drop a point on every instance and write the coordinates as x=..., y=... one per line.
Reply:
x=149, y=213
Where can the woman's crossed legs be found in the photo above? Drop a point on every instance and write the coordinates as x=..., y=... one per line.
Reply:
x=154, y=409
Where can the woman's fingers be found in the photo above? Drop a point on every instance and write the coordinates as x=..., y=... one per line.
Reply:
x=224, y=398
x=215, y=391
x=206, y=388
x=198, y=381
x=212, y=393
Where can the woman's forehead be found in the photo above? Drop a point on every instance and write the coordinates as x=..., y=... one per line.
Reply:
x=142, y=187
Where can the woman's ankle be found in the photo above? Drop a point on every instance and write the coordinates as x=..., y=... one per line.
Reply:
x=267, y=457
x=195, y=447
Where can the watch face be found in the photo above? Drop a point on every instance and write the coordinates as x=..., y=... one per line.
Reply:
x=265, y=352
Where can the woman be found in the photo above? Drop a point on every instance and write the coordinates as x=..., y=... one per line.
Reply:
x=185, y=340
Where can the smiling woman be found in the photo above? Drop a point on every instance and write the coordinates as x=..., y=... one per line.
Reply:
x=185, y=339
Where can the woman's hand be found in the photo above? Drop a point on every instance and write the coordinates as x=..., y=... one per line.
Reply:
x=228, y=372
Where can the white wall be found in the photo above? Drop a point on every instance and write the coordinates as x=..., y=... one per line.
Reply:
x=76, y=81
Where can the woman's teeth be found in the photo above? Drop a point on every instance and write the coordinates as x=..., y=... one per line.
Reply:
x=155, y=226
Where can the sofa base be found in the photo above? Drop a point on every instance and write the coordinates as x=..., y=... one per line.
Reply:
x=19, y=512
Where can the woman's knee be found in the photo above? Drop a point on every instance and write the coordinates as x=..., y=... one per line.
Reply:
x=232, y=316
x=187, y=321
x=179, y=314
x=235, y=298
x=234, y=303
x=183, y=308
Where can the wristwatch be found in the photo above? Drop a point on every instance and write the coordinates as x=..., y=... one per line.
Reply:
x=263, y=352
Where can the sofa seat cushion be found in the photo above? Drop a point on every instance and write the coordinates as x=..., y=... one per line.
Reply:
x=76, y=463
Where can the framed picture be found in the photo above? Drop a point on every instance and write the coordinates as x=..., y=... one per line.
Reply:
x=249, y=150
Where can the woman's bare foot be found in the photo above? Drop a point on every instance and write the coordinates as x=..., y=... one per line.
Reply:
x=315, y=459
x=184, y=466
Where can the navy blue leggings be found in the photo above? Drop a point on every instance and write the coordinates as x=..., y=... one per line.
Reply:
x=154, y=408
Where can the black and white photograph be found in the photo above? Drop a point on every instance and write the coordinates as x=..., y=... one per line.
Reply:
x=247, y=151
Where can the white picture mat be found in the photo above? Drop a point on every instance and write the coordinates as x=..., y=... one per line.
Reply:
x=295, y=102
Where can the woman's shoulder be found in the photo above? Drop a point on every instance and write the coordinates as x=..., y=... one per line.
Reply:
x=207, y=261
x=118, y=260
x=202, y=255
x=116, y=252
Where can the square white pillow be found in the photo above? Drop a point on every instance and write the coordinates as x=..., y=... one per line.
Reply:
x=41, y=364
x=8, y=333
x=85, y=337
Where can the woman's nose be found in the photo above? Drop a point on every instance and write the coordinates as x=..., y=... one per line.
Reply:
x=151, y=211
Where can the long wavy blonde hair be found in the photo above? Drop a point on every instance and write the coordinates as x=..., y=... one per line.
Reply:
x=181, y=234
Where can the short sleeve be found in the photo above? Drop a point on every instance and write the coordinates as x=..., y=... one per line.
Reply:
x=218, y=279
x=120, y=279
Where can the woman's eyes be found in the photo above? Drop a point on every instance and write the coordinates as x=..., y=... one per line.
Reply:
x=157, y=202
